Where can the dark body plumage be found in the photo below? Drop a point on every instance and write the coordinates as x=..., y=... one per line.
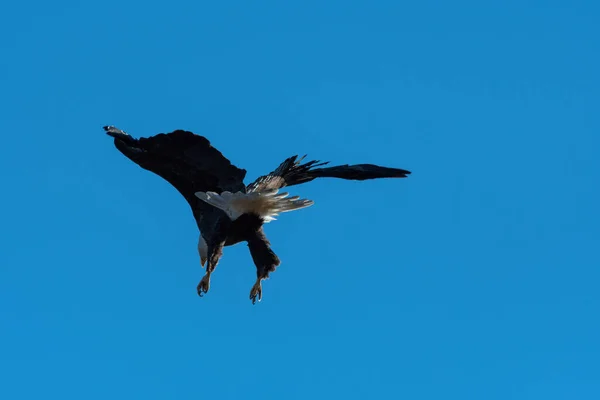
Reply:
x=192, y=165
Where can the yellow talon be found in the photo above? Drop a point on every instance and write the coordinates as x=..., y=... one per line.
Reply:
x=204, y=285
x=256, y=291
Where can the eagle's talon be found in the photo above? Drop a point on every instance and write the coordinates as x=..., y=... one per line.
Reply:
x=204, y=285
x=256, y=292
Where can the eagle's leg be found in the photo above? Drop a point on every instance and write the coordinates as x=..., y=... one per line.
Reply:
x=215, y=251
x=265, y=259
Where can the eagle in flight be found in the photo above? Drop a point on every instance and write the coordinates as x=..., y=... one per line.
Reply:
x=226, y=210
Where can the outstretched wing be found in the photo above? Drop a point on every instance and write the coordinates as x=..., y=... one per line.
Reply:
x=292, y=172
x=187, y=161
x=357, y=172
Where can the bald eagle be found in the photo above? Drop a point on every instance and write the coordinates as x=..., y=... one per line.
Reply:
x=227, y=211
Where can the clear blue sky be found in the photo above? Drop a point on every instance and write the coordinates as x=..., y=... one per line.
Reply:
x=475, y=278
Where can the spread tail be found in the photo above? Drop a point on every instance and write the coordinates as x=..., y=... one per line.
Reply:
x=267, y=204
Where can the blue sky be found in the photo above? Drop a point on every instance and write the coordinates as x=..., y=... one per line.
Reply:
x=475, y=278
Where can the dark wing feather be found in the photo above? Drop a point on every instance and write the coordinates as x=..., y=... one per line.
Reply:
x=292, y=172
x=187, y=161
x=358, y=172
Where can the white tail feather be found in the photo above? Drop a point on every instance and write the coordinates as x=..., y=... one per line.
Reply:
x=267, y=204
